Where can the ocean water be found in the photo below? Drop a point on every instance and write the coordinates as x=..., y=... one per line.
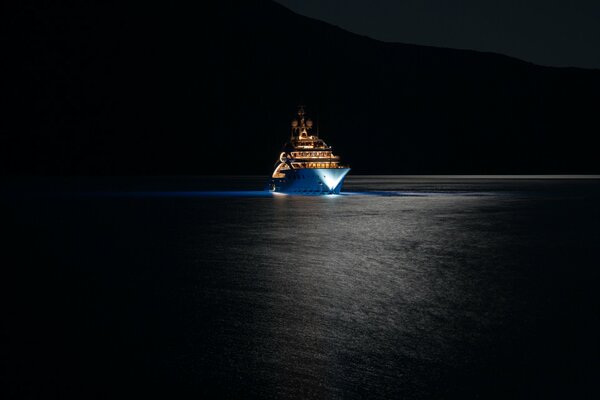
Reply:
x=401, y=287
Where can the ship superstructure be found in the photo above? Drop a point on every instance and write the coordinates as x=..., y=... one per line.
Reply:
x=307, y=164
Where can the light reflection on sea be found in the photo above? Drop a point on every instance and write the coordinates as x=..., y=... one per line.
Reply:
x=400, y=287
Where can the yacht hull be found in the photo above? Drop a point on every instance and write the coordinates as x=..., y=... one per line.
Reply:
x=310, y=181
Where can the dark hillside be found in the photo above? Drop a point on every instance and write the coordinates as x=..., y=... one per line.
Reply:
x=204, y=89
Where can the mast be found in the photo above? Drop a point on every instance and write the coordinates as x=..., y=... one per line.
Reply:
x=301, y=125
x=301, y=114
x=298, y=125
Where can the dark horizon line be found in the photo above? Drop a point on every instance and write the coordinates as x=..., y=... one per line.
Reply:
x=408, y=175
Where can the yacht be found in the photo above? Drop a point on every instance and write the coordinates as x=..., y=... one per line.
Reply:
x=306, y=164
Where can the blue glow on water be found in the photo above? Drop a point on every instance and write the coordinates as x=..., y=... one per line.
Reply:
x=269, y=194
x=203, y=193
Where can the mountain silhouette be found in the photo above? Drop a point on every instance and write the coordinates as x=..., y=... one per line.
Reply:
x=151, y=88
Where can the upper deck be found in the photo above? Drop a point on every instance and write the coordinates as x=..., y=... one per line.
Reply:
x=305, y=149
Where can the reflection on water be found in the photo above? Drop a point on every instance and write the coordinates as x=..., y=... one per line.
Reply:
x=398, y=288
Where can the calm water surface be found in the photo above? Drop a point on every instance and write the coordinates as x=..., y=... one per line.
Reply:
x=403, y=287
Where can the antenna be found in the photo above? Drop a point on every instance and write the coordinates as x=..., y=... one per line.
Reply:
x=301, y=111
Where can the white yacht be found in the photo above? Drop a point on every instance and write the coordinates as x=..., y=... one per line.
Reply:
x=307, y=164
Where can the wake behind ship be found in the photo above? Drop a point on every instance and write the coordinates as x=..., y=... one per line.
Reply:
x=307, y=164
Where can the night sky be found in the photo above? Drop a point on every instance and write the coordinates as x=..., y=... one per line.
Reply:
x=546, y=32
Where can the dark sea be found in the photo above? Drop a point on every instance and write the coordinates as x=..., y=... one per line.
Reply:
x=403, y=287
